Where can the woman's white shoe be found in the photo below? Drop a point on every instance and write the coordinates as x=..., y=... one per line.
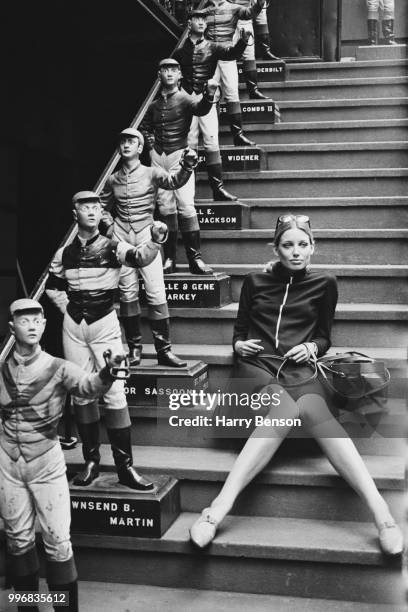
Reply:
x=391, y=538
x=204, y=529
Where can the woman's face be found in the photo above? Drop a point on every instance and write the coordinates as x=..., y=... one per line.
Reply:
x=294, y=249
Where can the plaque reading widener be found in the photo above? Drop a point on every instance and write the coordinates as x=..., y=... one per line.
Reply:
x=108, y=508
x=235, y=159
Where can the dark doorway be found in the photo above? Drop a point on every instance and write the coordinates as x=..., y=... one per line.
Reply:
x=304, y=30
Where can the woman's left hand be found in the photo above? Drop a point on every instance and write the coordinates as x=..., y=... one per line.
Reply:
x=301, y=352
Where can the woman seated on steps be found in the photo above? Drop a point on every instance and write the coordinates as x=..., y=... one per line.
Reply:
x=288, y=311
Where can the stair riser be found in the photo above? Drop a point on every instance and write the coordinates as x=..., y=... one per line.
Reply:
x=330, y=217
x=310, y=187
x=321, y=160
x=347, y=71
x=312, y=502
x=344, y=113
x=345, y=333
x=241, y=574
x=352, y=251
x=290, y=136
x=145, y=435
x=330, y=92
x=380, y=290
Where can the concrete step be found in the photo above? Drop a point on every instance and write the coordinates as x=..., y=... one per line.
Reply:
x=313, y=156
x=319, y=156
x=330, y=212
x=327, y=89
x=121, y=597
x=335, y=246
x=346, y=70
x=102, y=597
x=309, y=183
x=381, y=52
x=378, y=284
x=361, y=130
x=344, y=109
x=324, y=559
x=303, y=486
x=366, y=324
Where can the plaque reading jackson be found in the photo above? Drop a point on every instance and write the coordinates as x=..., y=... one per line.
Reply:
x=223, y=216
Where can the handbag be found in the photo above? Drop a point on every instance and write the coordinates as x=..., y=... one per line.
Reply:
x=354, y=376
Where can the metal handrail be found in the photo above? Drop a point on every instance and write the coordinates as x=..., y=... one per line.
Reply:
x=107, y=171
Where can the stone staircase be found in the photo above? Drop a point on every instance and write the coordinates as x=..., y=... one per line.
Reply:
x=298, y=533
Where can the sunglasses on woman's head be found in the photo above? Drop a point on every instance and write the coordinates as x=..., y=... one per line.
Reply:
x=288, y=218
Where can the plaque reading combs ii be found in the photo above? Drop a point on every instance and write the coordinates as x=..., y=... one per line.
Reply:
x=106, y=507
x=254, y=111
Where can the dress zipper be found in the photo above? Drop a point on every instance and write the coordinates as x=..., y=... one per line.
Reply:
x=280, y=312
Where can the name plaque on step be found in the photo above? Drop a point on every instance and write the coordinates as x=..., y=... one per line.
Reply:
x=149, y=382
x=267, y=70
x=106, y=507
x=194, y=291
x=235, y=159
x=254, y=111
x=226, y=216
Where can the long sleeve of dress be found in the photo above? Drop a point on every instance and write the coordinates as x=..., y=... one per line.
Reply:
x=325, y=317
x=241, y=325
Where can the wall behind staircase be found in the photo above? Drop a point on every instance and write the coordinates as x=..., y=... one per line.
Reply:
x=354, y=28
x=84, y=72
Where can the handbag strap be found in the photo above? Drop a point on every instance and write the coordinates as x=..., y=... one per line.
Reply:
x=312, y=362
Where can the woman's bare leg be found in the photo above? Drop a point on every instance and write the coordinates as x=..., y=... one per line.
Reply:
x=255, y=455
x=342, y=453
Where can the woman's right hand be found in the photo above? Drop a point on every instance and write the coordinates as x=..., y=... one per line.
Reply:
x=248, y=348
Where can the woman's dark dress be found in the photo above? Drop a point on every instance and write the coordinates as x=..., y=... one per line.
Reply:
x=282, y=308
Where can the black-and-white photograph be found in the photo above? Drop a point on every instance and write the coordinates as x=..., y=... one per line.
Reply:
x=204, y=307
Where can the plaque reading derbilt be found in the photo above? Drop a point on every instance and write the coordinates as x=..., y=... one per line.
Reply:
x=252, y=111
x=267, y=71
x=188, y=291
x=223, y=216
x=235, y=159
x=108, y=508
x=150, y=382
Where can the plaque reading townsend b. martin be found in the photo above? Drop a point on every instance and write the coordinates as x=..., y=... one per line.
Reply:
x=108, y=508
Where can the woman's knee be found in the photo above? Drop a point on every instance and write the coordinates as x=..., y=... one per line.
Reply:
x=313, y=409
